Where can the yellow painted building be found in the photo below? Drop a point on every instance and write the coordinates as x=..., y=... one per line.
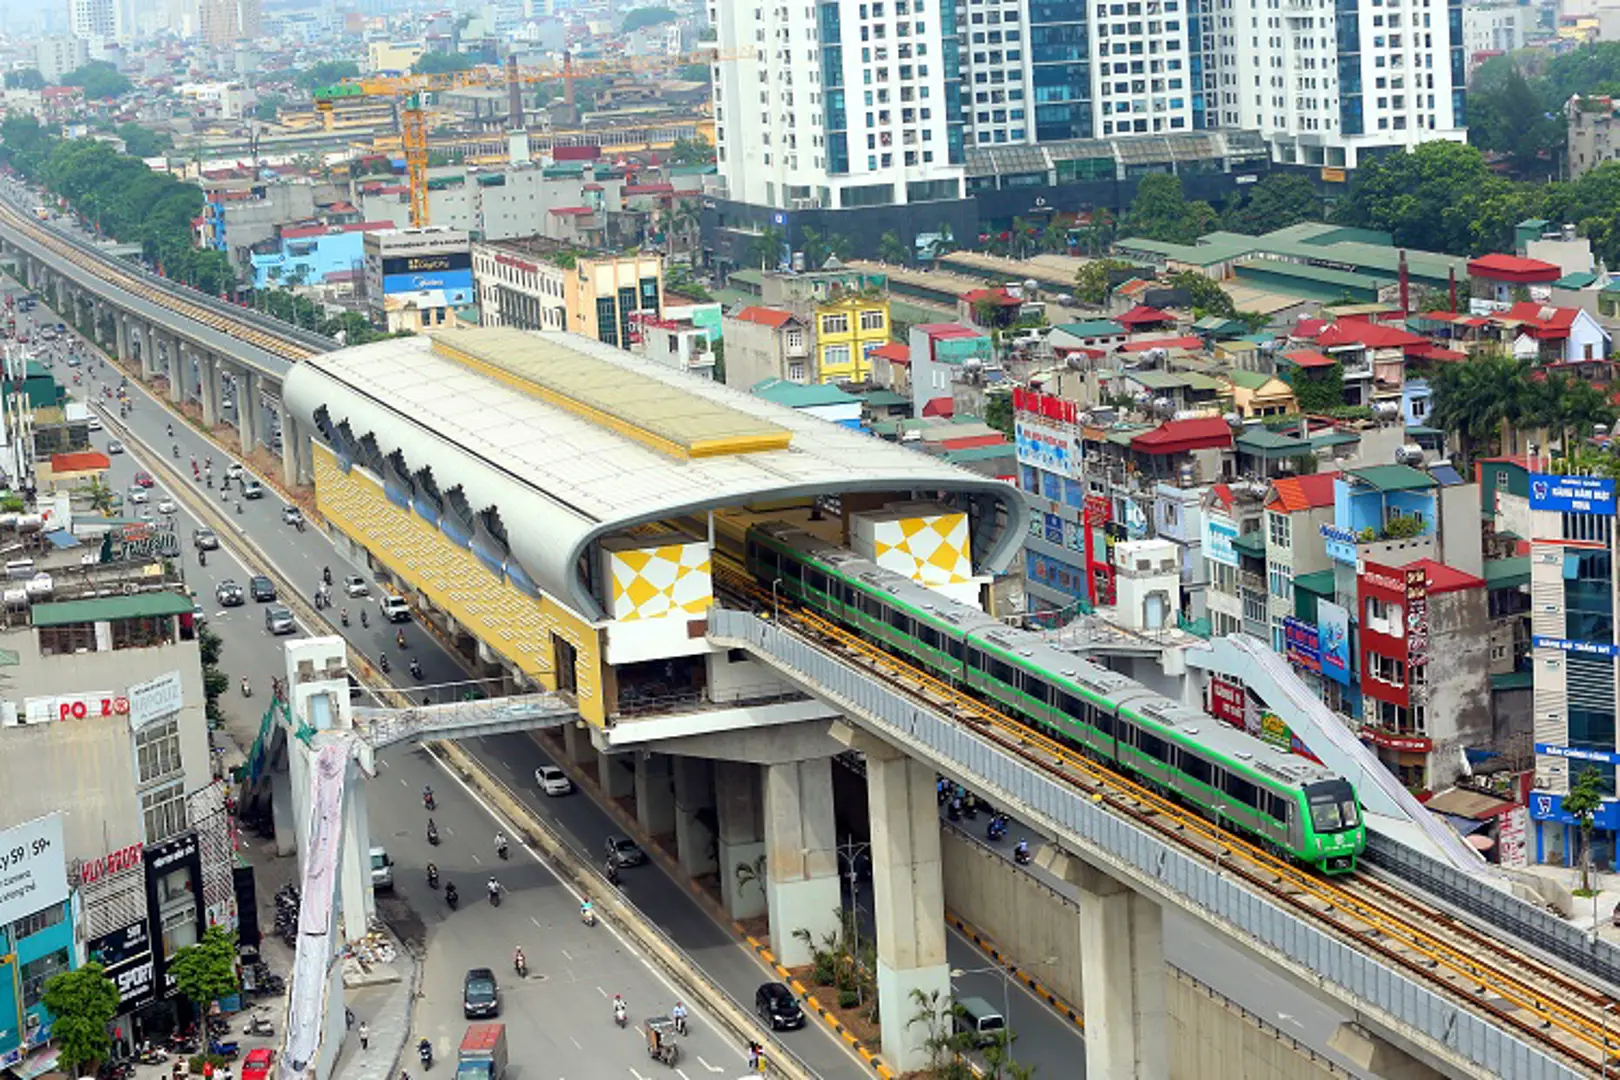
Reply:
x=847, y=329
x=602, y=292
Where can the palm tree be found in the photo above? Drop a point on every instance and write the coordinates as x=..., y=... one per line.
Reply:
x=891, y=249
x=766, y=248
x=814, y=246
x=839, y=246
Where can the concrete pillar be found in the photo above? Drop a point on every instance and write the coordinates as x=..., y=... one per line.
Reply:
x=1121, y=978
x=121, y=336
x=247, y=410
x=576, y=740
x=177, y=370
x=801, y=856
x=742, y=840
x=617, y=782
x=655, y=794
x=359, y=903
x=208, y=388
x=909, y=896
x=149, y=349
x=694, y=815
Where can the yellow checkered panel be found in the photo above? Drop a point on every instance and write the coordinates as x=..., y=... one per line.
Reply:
x=658, y=581
x=932, y=549
x=517, y=626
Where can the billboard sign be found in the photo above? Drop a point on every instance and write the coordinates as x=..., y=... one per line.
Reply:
x=33, y=868
x=1583, y=648
x=1511, y=838
x=432, y=264
x=1227, y=700
x=1301, y=643
x=1572, y=494
x=1046, y=446
x=154, y=700
x=1578, y=753
x=1218, y=537
x=1340, y=544
x=126, y=954
x=1333, y=640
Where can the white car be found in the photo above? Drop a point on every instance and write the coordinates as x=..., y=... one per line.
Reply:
x=355, y=585
x=167, y=506
x=115, y=447
x=137, y=495
x=234, y=470
x=94, y=424
x=552, y=780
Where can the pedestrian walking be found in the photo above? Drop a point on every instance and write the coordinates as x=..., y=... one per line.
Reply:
x=365, y=1036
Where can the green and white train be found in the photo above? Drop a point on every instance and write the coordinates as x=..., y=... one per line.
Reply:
x=1288, y=802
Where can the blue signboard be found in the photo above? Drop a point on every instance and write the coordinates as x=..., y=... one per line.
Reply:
x=428, y=280
x=1302, y=643
x=1340, y=544
x=1545, y=806
x=1333, y=636
x=1583, y=648
x=1578, y=753
x=1218, y=537
x=1572, y=494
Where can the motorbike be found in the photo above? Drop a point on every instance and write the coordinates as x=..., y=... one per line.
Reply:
x=495, y=898
x=343, y=616
x=500, y=849
x=247, y=691
x=588, y=916
x=202, y=557
x=326, y=575
x=451, y=897
x=520, y=964
x=620, y=1014
x=612, y=872
x=1021, y=856
x=433, y=879
x=147, y=1054
x=399, y=639
x=176, y=450
x=997, y=827
x=382, y=662
x=364, y=622
x=428, y=802
x=258, y=1025
x=433, y=834
x=954, y=812
x=970, y=808
x=416, y=671
x=424, y=1051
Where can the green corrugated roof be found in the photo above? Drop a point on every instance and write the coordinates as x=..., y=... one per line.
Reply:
x=1320, y=582
x=1170, y=380
x=1271, y=445
x=980, y=453
x=109, y=608
x=1249, y=380
x=1251, y=543
x=1092, y=328
x=1122, y=436
x=917, y=314
x=1394, y=478
x=1513, y=680
x=1317, y=275
x=1507, y=573
x=1215, y=247
x=1580, y=279
x=885, y=399
x=1332, y=438
x=801, y=396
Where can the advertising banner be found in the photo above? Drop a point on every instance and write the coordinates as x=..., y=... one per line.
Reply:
x=1578, y=753
x=1547, y=806
x=1572, y=494
x=162, y=860
x=1218, y=537
x=1227, y=699
x=127, y=956
x=1046, y=446
x=154, y=700
x=1340, y=544
x=1417, y=627
x=1301, y=644
x=427, y=264
x=1511, y=838
x=457, y=284
x=33, y=868
x=1584, y=648
x=1333, y=640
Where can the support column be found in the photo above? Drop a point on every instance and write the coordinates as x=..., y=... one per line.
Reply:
x=121, y=336
x=359, y=903
x=909, y=894
x=616, y=781
x=1121, y=976
x=577, y=744
x=208, y=389
x=247, y=410
x=694, y=815
x=742, y=842
x=177, y=369
x=149, y=360
x=289, y=446
x=655, y=794
x=801, y=856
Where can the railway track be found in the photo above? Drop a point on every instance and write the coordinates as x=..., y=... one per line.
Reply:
x=1520, y=991
x=136, y=284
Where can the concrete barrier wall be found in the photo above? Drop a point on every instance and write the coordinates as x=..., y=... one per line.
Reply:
x=1214, y=1037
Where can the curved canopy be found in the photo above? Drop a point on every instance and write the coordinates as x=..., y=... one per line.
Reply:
x=568, y=440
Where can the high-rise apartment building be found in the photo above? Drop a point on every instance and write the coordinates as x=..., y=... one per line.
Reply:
x=93, y=20
x=221, y=22
x=1327, y=82
x=843, y=105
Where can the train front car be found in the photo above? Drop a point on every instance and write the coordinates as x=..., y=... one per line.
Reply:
x=1335, y=834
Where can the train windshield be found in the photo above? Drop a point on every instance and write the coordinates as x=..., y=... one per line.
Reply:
x=1333, y=806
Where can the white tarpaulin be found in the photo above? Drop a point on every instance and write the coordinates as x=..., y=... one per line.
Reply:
x=306, y=1009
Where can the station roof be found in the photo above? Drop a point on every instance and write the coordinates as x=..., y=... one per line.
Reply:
x=577, y=440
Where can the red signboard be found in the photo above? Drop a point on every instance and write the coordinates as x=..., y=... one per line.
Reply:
x=1052, y=408
x=1227, y=700
x=123, y=859
x=1411, y=744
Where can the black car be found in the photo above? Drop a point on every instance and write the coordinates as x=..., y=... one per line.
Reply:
x=229, y=594
x=623, y=851
x=777, y=1006
x=262, y=589
x=480, y=997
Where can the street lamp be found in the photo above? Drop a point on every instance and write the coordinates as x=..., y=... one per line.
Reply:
x=1220, y=836
x=776, y=607
x=849, y=852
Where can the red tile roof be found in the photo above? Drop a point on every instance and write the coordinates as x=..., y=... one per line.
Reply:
x=944, y=330
x=1142, y=315
x=940, y=406
x=1435, y=352
x=1224, y=494
x=995, y=296
x=1190, y=341
x=1308, y=358
x=1444, y=579
x=1544, y=320
x=1513, y=268
x=893, y=352
x=83, y=461
x=971, y=442
x=1180, y=436
x=1371, y=335
x=765, y=316
x=1293, y=493
x=1309, y=328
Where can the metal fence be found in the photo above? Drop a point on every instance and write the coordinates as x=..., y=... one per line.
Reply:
x=1402, y=1004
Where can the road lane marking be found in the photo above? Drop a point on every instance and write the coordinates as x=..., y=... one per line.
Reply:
x=575, y=1042
x=537, y=925
x=711, y=1068
x=570, y=959
x=635, y=1074
x=601, y=991
x=682, y=1074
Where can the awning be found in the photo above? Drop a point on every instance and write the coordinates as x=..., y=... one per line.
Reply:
x=38, y=1063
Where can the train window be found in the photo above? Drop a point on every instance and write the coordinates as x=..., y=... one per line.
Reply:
x=815, y=579
x=954, y=647
x=1151, y=745
x=900, y=621
x=1003, y=672
x=1127, y=733
x=929, y=636
x=793, y=571
x=1044, y=692
x=1103, y=720
x=1277, y=806
x=975, y=660
x=1240, y=789
x=1071, y=706
x=1196, y=767
x=765, y=557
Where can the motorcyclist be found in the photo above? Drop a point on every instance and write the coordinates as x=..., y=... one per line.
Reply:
x=416, y=668
x=170, y=429
x=424, y=1050
x=399, y=638
x=678, y=1014
x=344, y=616
x=1021, y=851
x=450, y=894
x=433, y=875
x=326, y=575
x=364, y=621
x=382, y=662
x=247, y=691
x=427, y=796
x=620, y=1010
x=432, y=832
x=493, y=887
x=586, y=911
x=612, y=871
x=500, y=844
x=519, y=964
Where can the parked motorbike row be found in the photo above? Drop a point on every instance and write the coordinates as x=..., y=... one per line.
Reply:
x=287, y=905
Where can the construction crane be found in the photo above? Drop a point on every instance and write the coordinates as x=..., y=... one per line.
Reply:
x=411, y=92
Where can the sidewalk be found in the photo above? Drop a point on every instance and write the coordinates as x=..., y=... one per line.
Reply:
x=383, y=996
x=1582, y=908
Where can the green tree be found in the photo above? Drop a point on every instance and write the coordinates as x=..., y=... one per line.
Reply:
x=84, y=1002
x=268, y=107
x=1208, y=298
x=935, y=1012
x=443, y=63
x=693, y=73
x=143, y=142
x=766, y=248
x=892, y=249
x=814, y=246
x=326, y=73
x=1160, y=211
x=1092, y=282
x=646, y=16
x=998, y=412
x=1278, y=201
x=691, y=152
x=1473, y=401
x=1584, y=800
x=26, y=79
x=1426, y=197
x=99, y=80
x=206, y=971
x=1506, y=115
x=1320, y=389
